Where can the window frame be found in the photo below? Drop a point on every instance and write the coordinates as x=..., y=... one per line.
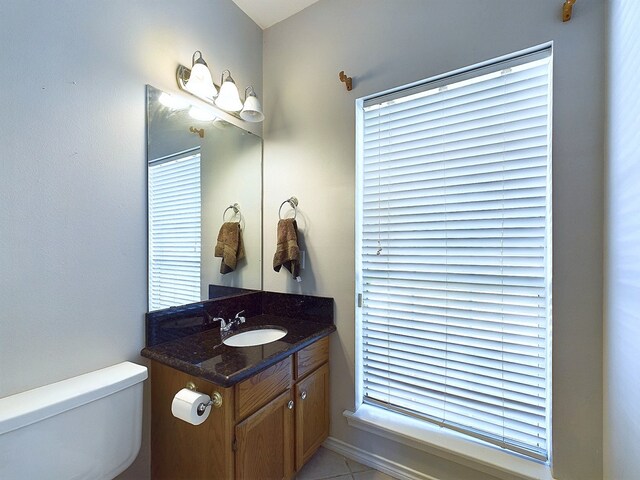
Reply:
x=471, y=71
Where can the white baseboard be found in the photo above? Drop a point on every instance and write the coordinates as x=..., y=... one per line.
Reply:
x=375, y=461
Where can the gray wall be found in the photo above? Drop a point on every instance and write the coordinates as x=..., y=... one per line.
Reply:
x=73, y=235
x=309, y=152
x=622, y=203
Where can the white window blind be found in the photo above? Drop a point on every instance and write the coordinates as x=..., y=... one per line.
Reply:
x=453, y=242
x=174, y=230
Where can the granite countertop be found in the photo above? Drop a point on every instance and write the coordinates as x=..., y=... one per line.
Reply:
x=204, y=355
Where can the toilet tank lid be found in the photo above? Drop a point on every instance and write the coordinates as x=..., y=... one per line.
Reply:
x=22, y=409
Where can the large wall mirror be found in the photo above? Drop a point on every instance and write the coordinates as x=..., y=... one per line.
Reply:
x=201, y=174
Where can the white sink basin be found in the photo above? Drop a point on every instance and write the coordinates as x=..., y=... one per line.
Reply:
x=252, y=338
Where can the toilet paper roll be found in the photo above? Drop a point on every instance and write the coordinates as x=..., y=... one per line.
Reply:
x=185, y=406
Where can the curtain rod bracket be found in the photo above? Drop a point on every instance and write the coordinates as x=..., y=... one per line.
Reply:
x=200, y=131
x=348, y=81
x=567, y=10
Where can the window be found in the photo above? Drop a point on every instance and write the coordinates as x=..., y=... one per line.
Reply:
x=453, y=251
x=174, y=230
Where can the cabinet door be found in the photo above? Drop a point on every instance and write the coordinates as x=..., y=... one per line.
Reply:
x=312, y=414
x=264, y=442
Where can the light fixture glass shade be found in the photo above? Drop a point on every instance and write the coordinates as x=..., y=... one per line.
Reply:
x=252, y=110
x=173, y=102
x=201, y=114
x=200, y=82
x=229, y=98
x=221, y=124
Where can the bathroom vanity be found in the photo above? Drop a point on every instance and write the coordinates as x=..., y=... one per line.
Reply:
x=274, y=397
x=274, y=410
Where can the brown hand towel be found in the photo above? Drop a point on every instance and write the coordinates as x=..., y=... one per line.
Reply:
x=287, y=250
x=229, y=246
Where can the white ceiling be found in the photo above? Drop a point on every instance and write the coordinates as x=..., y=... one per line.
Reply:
x=269, y=12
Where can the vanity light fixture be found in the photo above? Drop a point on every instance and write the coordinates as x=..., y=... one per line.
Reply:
x=252, y=110
x=198, y=82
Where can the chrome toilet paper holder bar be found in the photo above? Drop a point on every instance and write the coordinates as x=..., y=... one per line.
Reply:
x=215, y=399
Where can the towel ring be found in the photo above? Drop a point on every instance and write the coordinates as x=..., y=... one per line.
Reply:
x=293, y=201
x=236, y=211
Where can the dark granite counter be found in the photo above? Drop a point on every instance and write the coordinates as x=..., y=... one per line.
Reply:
x=203, y=354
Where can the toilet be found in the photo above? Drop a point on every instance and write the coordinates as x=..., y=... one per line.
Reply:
x=85, y=427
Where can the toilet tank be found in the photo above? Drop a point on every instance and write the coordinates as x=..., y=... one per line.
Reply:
x=85, y=427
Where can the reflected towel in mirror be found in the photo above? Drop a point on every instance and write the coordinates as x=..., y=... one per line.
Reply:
x=287, y=249
x=229, y=246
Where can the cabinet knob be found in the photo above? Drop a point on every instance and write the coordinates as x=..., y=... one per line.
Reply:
x=290, y=405
x=303, y=395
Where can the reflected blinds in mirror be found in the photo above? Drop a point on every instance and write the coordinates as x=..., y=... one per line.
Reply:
x=174, y=230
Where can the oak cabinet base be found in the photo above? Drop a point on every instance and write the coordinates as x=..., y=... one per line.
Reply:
x=267, y=427
x=180, y=450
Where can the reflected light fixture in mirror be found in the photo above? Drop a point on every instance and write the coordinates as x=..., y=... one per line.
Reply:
x=196, y=112
x=198, y=82
x=201, y=114
x=173, y=102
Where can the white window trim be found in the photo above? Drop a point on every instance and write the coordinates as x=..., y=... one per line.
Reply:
x=447, y=444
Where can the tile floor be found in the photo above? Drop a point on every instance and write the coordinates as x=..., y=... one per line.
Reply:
x=326, y=464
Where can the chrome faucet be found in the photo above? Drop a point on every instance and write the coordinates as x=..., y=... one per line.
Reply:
x=232, y=324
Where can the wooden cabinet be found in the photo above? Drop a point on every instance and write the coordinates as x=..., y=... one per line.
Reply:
x=311, y=399
x=268, y=426
x=180, y=450
x=312, y=414
x=264, y=446
x=311, y=357
x=254, y=392
x=264, y=440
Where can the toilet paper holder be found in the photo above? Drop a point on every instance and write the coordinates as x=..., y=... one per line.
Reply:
x=215, y=399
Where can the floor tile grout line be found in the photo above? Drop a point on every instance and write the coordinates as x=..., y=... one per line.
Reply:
x=366, y=469
x=337, y=476
x=348, y=474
